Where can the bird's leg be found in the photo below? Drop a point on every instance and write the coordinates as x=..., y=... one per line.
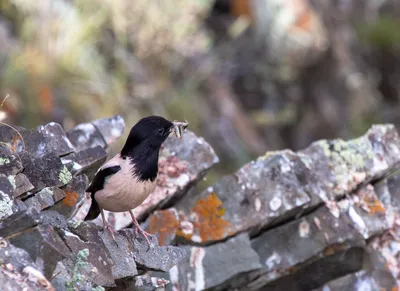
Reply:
x=107, y=226
x=139, y=229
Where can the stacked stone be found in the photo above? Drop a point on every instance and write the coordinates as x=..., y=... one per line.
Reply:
x=294, y=220
x=43, y=176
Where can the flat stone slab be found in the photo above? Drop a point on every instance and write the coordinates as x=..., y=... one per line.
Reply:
x=55, y=139
x=110, y=128
x=21, y=184
x=360, y=281
x=18, y=272
x=74, y=195
x=84, y=136
x=87, y=161
x=46, y=171
x=261, y=193
x=201, y=269
x=44, y=246
x=10, y=164
x=122, y=259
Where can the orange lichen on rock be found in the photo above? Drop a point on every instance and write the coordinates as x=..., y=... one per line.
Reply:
x=304, y=21
x=163, y=224
x=16, y=139
x=207, y=218
x=374, y=204
x=71, y=198
x=241, y=8
x=333, y=249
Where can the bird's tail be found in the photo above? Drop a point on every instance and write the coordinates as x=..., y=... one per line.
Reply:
x=94, y=210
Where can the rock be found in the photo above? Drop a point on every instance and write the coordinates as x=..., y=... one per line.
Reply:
x=335, y=265
x=12, y=137
x=164, y=224
x=44, y=246
x=74, y=195
x=62, y=275
x=56, y=139
x=84, y=136
x=241, y=202
x=142, y=283
x=53, y=218
x=206, y=267
x=45, y=139
x=110, y=128
x=362, y=280
x=10, y=164
x=100, y=264
x=23, y=219
x=158, y=258
x=333, y=229
x=52, y=188
x=87, y=161
x=116, y=261
x=326, y=216
x=42, y=199
x=18, y=272
x=46, y=171
x=341, y=166
x=7, y=204
x=21, y=184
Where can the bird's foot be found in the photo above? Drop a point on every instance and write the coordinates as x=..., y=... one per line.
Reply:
x=110, y=230
x=144, y=233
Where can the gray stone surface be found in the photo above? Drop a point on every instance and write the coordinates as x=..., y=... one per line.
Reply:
x=324, y=217
x=23, y=219
x=84, y=136
x=46, y=171
x=44, y=246
x=74, y=195
x=110, y=128
x=55, y=139
x=10, y=164
x=142, y=283
x=41, y=200
x=361, y=281
x=87, y=161
x=21, y=184
x=18, y=272
x=8, y=206
x=207, y=267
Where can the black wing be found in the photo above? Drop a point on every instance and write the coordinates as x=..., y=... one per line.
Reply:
x=97, y=185
x=100, y=178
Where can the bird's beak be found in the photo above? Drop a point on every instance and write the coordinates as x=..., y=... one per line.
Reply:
x=178, y=128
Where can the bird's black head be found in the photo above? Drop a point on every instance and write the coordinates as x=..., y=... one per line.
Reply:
x=143, y=144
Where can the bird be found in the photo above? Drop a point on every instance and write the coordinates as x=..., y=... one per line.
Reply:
x=127, y=179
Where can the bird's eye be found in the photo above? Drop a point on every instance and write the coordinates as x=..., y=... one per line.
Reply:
x=161, y=131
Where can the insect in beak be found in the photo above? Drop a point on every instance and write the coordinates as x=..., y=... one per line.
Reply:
x=179, y=128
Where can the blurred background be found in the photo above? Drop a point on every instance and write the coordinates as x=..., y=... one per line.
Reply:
x=249, y=75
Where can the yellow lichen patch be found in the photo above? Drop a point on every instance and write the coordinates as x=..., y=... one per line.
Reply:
x=163, y=224
x=71, y=198
x=209, y=223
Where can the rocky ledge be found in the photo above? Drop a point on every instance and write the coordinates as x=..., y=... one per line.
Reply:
x=44, y=243
x=324, y=218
